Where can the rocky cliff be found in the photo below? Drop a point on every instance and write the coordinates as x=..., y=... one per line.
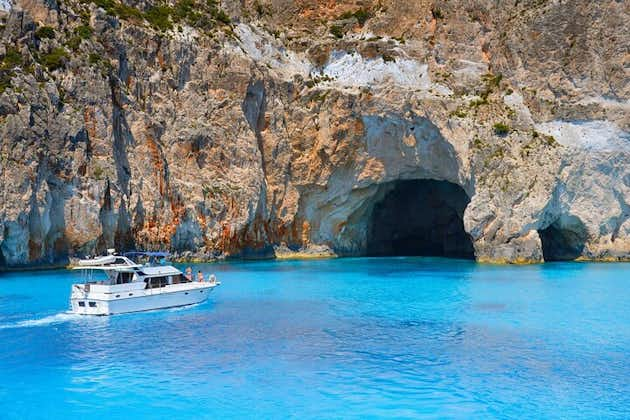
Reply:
x=494, y=130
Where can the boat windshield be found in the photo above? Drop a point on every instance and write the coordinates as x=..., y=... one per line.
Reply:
x=148, y=258
x=95, y=276
x=106, y=277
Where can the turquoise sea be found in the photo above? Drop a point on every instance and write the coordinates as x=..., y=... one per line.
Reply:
x=346, y=338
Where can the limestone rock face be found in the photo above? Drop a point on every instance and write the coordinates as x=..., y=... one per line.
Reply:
x=285, y=124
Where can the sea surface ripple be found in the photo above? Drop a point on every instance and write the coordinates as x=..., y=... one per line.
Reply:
x=345, y=338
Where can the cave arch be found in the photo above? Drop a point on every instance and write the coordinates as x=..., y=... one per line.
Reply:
x=420, y=218
x=563, y=240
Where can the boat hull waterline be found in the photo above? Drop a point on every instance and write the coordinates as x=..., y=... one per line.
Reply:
x=140, y=300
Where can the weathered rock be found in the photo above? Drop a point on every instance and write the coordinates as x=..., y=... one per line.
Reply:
x=211, y=139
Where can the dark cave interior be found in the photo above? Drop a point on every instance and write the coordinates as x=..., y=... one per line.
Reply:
x=420, y=218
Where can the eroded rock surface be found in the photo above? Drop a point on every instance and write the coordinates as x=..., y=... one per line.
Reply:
x=230, y=131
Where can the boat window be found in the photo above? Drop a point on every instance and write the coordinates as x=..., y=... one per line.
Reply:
x=120, y=261
x=92, y=304
x=124, y=278
x=180, y=279
x=156, y=282
x=81, y=303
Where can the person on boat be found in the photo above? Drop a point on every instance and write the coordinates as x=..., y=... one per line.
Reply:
x=188, y=274
x=200, y=276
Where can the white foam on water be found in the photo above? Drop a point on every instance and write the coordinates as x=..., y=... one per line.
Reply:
x=70, y=316
x=182, y=308
x=41, y=322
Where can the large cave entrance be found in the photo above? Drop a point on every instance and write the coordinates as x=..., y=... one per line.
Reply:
x=420, y=217
x=563, y=240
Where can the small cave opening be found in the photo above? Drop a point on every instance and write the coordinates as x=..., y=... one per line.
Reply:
x=563, y=240
x=420, y=218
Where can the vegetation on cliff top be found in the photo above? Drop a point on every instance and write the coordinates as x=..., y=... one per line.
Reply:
x=199, y=14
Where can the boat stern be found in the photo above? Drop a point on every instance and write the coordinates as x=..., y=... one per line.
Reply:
x=89, y=307
x=82, y=304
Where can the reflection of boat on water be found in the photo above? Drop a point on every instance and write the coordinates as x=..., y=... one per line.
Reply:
x=129, y=287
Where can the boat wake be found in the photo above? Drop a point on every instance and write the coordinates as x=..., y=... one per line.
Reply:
x=180, y=308
x=40, y=322
x=68, y=316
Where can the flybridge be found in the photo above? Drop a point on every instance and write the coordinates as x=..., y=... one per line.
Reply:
x=113, y=259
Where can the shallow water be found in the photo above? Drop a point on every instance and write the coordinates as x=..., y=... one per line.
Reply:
x=397, y=337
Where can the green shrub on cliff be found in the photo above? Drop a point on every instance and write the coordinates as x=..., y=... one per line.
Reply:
x=117, y=9
x=361, y=15
x=107, y=5
x=5, y=80
x=184, y=10
x=127, y=12
x=83, y=32
x=45, y=32
x=501, y=129
x=12, y=58
x=261, y=9
x=98, y=172
x=94, y=58
x=437, y=13
x=80, y=33
x=337, y=31
x=55, y=59
x=388, y=58
x=74, y=42
x=159, y=17
x=221, y=16
x=492, y=80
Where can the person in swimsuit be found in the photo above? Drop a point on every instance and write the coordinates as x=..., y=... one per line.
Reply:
x=199, y=276
x=188, y=274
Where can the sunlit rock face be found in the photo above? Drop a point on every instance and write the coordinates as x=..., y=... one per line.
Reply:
x=297, y=124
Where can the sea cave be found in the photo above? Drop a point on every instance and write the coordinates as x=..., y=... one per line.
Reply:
x=420, y=218
x=563, y=240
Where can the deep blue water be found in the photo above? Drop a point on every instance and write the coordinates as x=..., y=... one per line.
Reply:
x=398, y=337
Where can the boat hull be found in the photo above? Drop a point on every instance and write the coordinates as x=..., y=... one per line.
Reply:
x=140, y=300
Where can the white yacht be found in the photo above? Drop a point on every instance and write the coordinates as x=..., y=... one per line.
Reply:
x=114, y=284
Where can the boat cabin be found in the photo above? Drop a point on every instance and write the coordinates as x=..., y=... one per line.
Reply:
x=119, y=270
